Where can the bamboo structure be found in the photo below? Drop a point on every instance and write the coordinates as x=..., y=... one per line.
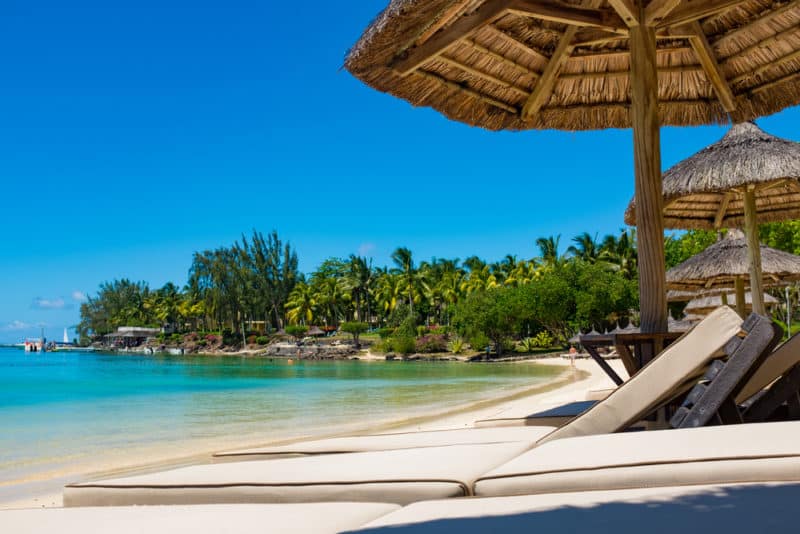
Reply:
x=690, y=63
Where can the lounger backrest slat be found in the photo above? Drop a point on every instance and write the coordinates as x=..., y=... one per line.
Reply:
x=659, y=381
x=714, y=396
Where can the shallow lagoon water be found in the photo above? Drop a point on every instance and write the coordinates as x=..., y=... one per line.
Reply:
x=67, y=412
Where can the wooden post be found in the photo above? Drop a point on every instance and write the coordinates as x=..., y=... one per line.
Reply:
x=647, y=165
x=753, y=252
x=724, y=298
x=740, y=302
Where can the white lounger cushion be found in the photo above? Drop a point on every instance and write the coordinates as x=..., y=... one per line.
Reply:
x=711, y=455
x=658, y=381
x=389, y=476
x=316, y=518
x=732, y=509
x=780, y=361
x=406, y=440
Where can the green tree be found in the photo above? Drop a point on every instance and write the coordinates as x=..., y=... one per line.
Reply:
x=355, y=329
x=498, y=313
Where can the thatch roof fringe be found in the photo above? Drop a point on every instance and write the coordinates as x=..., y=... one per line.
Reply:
x=714, y=179
x=755, y=43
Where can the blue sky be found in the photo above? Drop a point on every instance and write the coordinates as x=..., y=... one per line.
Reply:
x=133, y=133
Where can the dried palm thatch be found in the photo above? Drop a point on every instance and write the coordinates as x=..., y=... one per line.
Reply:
x=705, y=305
x=707, y=190
x=721, y=264
x=523, y=64
x=678, y=295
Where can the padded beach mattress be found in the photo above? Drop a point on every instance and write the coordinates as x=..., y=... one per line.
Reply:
x=399, y=477
x=397, y=441
x=712, y=455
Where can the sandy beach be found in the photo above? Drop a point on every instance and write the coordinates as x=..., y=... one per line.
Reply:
x=570, y=385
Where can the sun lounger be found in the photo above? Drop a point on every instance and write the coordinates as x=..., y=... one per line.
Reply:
x=730, y=508
x=394, y=441
x=712, y=455
x=399, y=477
x=661, y=380
x=316, y=518
x=403, y=476
x=778, y=364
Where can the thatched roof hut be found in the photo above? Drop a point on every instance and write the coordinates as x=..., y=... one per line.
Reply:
x=706, y=190
x=721, y=264
x=588, y=64
x=705, y=305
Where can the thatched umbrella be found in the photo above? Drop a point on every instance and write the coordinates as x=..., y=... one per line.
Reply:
x=725, y=264
x=578, y=65
x=705, y=305
x=746, y=178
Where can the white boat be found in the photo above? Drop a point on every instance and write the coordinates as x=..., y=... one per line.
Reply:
x=33, y=345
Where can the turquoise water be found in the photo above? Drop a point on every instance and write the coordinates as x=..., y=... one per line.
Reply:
x=74, y=412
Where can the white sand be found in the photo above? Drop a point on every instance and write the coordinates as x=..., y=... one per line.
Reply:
x=572, y=385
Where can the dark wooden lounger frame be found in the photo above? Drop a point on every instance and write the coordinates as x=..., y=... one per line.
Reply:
x=712, y=400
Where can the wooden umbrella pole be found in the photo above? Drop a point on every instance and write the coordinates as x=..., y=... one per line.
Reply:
x=753, y=252
x=740, y=302
x=647, y=165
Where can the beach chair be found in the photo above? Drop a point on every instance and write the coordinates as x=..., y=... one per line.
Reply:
x=673, y=372
x=424, y=473
x=758, y=404
x=317, y=518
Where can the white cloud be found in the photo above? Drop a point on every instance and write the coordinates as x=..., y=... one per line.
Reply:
x=17, y=325
x=78, y=296
x=49, y=304
x=364, y=249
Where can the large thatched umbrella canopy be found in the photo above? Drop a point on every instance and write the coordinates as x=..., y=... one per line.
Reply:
x=745, y=178
x=576, y=65
x=707, y=190
x=725, y=264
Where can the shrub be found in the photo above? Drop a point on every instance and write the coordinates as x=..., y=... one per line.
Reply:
x=479, y=341
x=212, y=338
x=431, y=343
x=176, y=338
x=202, y=343
x=456, y=346
x=251, y=339
x=403, y=344
x=422, y=330
x=408, y=328
x=385, y=333
x=262, y=340
x=191, y=336
x=527, y=345
x=508, y=345
x=543, y=339
x=296, y=330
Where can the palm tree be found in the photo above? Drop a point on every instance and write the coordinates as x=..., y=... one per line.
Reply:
x=586, y=247
x=548, y=249
x=404, y=262
x=358, y=281
x=301, y=305
x=620, y=252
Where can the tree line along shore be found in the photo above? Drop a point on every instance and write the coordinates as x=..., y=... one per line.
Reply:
x=252, y=294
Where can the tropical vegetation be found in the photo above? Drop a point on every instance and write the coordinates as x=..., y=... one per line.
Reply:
x=255, y=287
